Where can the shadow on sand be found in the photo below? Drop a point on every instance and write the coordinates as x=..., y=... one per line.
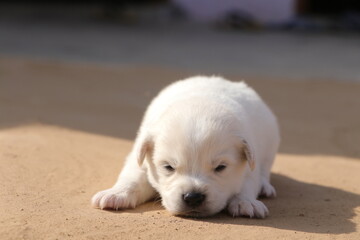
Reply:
x=299, y=206
x=112, y=100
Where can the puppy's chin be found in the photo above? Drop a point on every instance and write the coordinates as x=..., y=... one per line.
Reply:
x=207, y=209
x=193, y=214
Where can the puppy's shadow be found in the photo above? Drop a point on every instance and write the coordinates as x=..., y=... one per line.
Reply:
x=303, y=207
x=298, y=206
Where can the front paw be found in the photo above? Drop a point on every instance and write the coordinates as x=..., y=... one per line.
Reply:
x=114, y=198
x=247, y=208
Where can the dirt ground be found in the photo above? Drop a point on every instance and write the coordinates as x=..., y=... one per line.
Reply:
x=65, y=129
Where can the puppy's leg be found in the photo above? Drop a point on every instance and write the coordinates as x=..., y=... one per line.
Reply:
x=246, y=204
x=267, y=189
x=131, y=189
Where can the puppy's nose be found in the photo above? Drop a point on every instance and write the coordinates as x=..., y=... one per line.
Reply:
x=193, y=199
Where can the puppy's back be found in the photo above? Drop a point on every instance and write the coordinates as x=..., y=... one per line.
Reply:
x=238, y=97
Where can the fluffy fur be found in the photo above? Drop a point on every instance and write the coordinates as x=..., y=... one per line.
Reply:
x=205, y=135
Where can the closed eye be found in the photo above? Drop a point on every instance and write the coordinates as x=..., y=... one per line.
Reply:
x=169, y=168
x=220, y=168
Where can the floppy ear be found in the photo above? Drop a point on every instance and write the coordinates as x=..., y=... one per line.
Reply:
x=248, y=153
x=146, y=147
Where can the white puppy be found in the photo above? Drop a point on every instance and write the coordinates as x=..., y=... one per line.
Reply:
x=205, y=143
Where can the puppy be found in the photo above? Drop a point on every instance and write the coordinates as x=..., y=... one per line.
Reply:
x=204, y=144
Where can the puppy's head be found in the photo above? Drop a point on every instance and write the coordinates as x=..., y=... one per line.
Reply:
x=196, y=161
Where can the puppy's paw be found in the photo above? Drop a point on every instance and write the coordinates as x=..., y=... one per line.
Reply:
x=114, y=198
x=267, y=190
x=247, y=208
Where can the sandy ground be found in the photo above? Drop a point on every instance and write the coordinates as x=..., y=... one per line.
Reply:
x=65, y=129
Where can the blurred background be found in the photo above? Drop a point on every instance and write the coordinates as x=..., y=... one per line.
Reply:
x=96, y=65
x=296, y=39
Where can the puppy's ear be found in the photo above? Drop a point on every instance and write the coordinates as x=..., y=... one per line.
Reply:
x=146, y=148
x=248, y=153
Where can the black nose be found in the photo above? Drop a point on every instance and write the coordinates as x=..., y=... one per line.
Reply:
x=193, y=199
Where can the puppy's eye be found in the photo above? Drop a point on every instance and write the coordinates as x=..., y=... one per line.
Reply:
x=169, y=168
x=220, y=168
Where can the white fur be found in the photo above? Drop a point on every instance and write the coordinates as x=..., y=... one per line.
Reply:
x=194, y=125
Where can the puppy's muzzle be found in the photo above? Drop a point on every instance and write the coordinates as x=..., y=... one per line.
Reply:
x=193, y=199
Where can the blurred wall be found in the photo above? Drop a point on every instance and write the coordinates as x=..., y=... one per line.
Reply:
x=263, y=11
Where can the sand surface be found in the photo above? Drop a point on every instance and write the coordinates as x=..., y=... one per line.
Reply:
x=65, y=129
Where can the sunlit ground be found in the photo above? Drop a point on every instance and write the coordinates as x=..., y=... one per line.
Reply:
x=66, y=127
